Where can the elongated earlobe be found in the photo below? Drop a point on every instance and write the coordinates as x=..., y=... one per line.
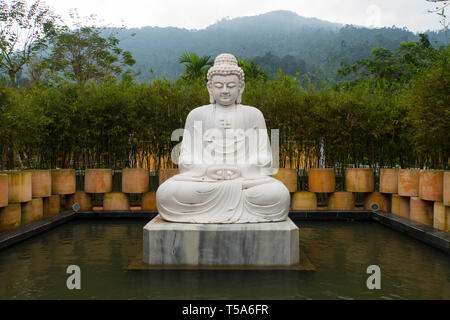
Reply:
x=211, y=97
x=239, y=98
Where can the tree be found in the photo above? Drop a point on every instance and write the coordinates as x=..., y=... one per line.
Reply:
x=252, y=70
x=22, y=33
x=400, y=65
x=429, y=114
x=195, y=66
x=38, y=69
x=86, y=54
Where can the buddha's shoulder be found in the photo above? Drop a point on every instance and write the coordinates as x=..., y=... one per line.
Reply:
x=253, y=111
x=200, y=111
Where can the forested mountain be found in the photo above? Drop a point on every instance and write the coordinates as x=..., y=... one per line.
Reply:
x=275, y=39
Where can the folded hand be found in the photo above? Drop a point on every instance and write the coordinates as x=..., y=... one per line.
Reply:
x=223, y=172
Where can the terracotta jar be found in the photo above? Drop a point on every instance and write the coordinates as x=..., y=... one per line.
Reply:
x=41, y=181
x=382, y=200
x=304, y=201
x=341, y=201
x=400, y=206
x=149, y=201
x=441, y=216
x=421, y=211
x=408, y=182
x=116, y=201
x=52, y=205
x=431, y=185
x=359, y=180
x=19, y=186
x=98, y=180
x=63, y=181
x=135, y=180
x=32, y=211
x=389, y=181
x=405, y=207
x=10, y=217
x=82, y=198
x=321, y=180
x=395, y=204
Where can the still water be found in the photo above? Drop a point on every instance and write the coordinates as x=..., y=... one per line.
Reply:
x=340, y=252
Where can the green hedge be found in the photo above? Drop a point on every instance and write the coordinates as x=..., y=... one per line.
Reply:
x=100, y=125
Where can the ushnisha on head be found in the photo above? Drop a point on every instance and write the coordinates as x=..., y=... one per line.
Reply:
x=225, y=81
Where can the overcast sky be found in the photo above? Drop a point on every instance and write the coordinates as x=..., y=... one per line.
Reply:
x=198, y=14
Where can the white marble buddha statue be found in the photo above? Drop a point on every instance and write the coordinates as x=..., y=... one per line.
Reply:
x=225, y=160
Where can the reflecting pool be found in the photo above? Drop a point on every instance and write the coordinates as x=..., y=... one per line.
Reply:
x=340, y=252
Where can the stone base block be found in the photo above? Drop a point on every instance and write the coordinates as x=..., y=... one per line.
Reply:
x=262, y=244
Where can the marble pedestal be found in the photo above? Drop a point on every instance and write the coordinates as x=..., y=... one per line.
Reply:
x=261, y=244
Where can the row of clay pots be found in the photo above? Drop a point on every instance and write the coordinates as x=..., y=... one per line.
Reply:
x=134, y=180
x=16, y=214
x=432, y=213
x=22, y=186
x=111, y=201
x=319, y=180
x=432, y=185
x=427, y=184
x=338, y=201
x=20, y=213
x=304, y=200
x=119, y=201
x=323, y=180
x=413, y=208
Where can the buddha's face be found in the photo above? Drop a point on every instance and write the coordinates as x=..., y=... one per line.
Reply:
x=225, y=89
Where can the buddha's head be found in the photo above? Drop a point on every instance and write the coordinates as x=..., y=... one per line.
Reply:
x=225, y=81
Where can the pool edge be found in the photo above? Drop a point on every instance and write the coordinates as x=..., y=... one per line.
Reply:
x=11, y=237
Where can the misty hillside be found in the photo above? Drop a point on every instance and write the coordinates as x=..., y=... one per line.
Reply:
x=270, y=22
x=317, y=46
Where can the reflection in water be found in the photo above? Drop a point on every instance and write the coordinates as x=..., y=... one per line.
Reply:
x=341, y=253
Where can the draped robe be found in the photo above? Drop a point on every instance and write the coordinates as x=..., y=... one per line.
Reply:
x=224, y=136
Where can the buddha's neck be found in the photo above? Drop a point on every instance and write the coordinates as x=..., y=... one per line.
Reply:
x=229, y=108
